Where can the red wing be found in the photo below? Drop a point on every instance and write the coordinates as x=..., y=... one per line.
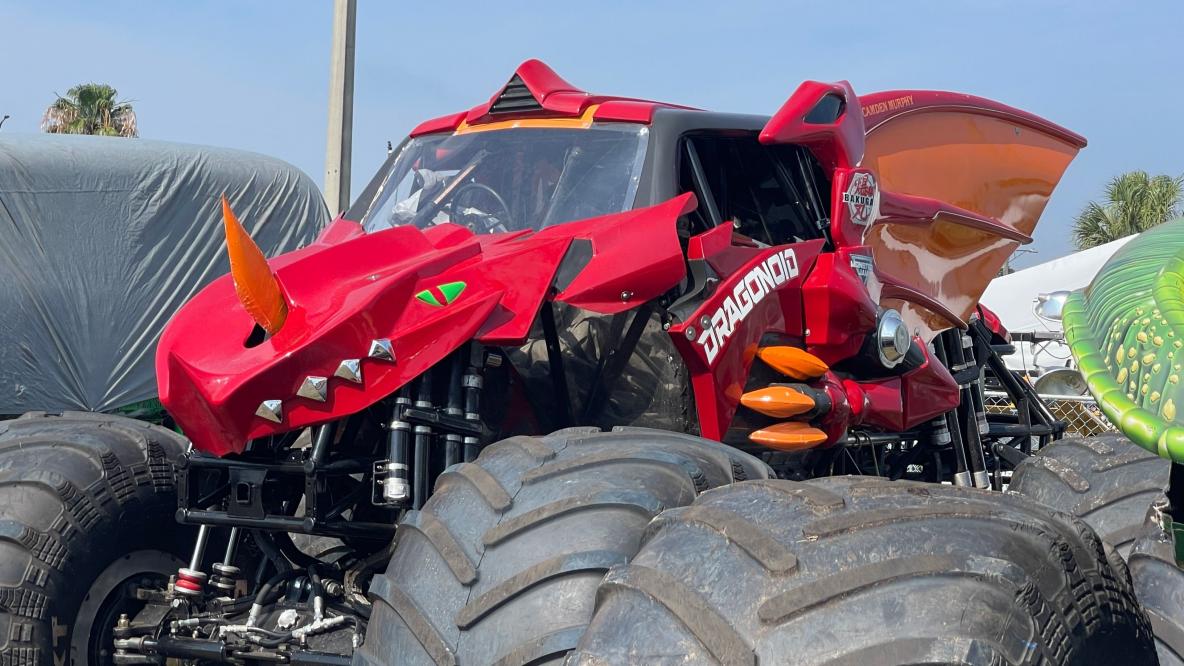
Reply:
x=994, y=168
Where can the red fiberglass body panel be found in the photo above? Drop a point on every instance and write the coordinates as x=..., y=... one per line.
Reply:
x=759, y=294
x=837, y=142
x=799, y=295
x=796, y=294
x=349, y=288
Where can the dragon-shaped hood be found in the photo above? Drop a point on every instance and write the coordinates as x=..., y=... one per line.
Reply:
x=367, y=313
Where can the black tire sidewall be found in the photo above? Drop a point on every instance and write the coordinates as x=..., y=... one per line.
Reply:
x=85, y=621
x=82, y=495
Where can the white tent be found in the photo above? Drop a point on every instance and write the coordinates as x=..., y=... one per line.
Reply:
x=1012, y=297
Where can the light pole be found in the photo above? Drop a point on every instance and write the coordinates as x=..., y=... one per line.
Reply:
x=6, y=117
x=338, y=148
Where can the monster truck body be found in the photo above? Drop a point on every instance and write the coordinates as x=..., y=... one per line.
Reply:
x=867, y=206
x=801, y=289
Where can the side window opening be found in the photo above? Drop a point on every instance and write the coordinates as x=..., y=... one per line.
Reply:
x=770, y=195
x=693, y=177
x=808, y=185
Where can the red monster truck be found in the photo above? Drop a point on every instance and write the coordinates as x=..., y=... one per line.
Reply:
x=755, y=345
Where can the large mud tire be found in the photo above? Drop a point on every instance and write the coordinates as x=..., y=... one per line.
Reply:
x=87, y=502
x=1105, y=480
x=1159, y=585
x=855, y=570
x=502, y=563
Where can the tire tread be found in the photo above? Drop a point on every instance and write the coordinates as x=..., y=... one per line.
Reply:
x=103, y=476
x=1114, y=483
x=541, y=520
x=882, y=570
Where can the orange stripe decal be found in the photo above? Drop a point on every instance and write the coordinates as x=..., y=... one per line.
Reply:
x=582, y=122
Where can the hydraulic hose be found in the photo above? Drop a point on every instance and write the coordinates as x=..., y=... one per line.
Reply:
x=267, y=544
x=266, y=591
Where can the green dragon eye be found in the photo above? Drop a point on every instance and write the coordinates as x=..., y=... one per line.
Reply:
x=429, y=298
x=449, y=290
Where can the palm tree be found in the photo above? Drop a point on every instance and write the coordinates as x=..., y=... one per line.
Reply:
x=90, y=108
x=1135, y=202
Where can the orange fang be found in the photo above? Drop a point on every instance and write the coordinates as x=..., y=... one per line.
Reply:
x=793, y=362
x=777, y=401
x=789, y=436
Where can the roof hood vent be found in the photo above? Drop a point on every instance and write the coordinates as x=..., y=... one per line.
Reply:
x=515, y=98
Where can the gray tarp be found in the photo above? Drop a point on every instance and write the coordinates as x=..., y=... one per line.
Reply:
x=102, y=239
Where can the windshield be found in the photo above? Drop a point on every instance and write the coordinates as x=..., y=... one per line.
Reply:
x=509, y=179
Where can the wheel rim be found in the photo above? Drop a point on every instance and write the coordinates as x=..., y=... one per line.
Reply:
x=91, y=641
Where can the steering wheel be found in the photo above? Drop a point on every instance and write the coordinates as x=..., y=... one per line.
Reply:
x=459, y=216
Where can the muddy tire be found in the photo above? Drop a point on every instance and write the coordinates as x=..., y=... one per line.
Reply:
x=854, y=570
x=1159, y=585
x=502, y=563
x=87, y=503
x=1106, y=480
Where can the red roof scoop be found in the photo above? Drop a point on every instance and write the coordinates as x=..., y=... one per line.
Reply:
x=534, y=88
x=541, y=80
x=536, y=91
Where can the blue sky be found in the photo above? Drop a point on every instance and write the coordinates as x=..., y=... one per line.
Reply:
x=253, y=74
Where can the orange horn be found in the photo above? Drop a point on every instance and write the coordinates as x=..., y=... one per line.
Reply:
x=255, y=284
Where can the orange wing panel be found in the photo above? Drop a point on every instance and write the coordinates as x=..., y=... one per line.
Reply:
x=978, y=159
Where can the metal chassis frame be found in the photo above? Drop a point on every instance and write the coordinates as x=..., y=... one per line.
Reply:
x=320, y=518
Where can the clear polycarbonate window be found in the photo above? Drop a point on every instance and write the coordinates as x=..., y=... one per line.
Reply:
x=510, y=179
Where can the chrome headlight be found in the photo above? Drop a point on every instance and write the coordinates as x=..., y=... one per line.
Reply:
x=892, y=338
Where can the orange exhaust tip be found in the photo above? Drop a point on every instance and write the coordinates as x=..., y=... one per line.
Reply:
x=789, y=436
x=793, y=362
x=778, y=401
x=257, y=287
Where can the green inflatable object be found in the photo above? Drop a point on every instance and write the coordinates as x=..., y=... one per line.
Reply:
x=1126, y=332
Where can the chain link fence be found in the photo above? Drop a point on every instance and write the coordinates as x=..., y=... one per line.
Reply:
x=1080, y=412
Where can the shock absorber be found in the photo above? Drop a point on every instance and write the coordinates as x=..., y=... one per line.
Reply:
x=423, y=436
x=980, y=410
x=390, y=475
x=973, y=417
x=953, y=430
x=226, y=575
x=968, y=420
x=473, y=383
x=937, y=432
x=191, y=580
x=456, y=399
